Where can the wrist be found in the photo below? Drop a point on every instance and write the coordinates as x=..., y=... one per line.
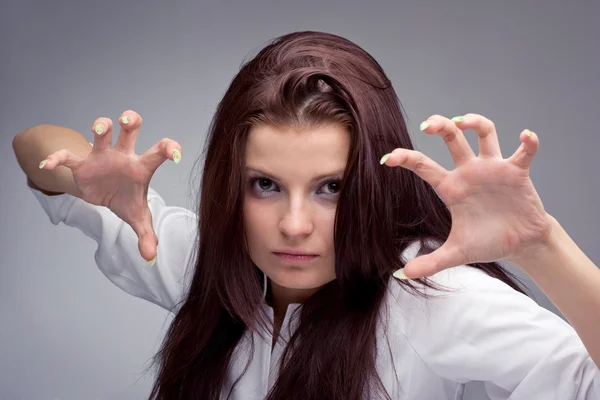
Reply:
x=549, y=243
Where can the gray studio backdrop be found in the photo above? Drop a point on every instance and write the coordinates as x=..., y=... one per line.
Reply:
x=65, y=331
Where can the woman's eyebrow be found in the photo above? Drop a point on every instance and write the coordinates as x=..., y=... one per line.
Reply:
x=335, y=173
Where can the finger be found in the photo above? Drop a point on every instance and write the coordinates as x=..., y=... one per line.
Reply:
x=530, y=144
x=102, y=129
x=148, y=245
x=62, y=157
x=165, y=149
x=130, y=122
x=147, y=239
x=460, y=150
x=430, y=264
x=486, y=133
x=427, y=169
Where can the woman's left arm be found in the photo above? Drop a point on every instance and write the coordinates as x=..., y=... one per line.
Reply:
x=498, y=215
x=570, y=280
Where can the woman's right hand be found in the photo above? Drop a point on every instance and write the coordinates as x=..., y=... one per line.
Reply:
x=116, y=177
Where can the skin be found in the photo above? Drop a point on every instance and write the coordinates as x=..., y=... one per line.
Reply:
x=108, y=175
x=290, y=202
x=496, y=212
x=498, y=215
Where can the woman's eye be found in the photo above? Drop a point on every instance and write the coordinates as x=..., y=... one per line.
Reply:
x=262, y=185
x=332, y=187
x=265, y=184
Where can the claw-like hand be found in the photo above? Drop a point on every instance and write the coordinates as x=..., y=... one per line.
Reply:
x=496, y=212
x=116, y=177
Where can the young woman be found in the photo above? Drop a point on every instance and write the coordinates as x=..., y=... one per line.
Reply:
x=283, y=281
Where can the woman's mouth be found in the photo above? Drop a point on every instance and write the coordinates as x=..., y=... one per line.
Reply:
x=296, y=257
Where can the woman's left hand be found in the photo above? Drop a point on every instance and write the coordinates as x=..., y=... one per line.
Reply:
x=496, y=212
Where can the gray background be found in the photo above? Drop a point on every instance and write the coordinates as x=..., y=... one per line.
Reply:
x=65, y=331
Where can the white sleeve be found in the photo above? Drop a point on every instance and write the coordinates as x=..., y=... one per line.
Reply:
x=489, y=332
x=118, y=256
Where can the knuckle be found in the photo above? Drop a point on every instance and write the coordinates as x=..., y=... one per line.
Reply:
x=449, y=136
x=62, y=153
x=420, y=167
x=486, y=127
x=483, y=122
x=419, y=162
x=108, y=121
x=164, y=142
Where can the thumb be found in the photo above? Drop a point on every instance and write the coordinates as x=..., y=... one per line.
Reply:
x=430, y=264
x=148, y=246
x=147, y=239
x=62, y=157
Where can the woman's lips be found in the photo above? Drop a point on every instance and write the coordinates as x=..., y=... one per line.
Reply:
x=296, y=258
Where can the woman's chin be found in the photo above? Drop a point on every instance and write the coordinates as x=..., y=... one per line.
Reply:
x=300, y=281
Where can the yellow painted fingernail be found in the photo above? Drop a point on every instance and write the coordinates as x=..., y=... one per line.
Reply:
x=176, y=156
x=151, y=262
x=400, y=274
x=384, y=158
x=424, y=125
x=43, y=163
x=528, y=132
x=458, y=119
x=125, y=119
x=99, y=129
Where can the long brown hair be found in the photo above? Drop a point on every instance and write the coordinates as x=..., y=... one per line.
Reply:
x=299, y=80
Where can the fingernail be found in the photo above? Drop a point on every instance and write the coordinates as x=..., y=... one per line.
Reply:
x=125, y=119
x=151, y=262
x=527, y=132
x=384, y=158
x=176, y=156
x=99, y=129
x=458, y=119
x=424, y=125
x=400, y=274
x=43, y=163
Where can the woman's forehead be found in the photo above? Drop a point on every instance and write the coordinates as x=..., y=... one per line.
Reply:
x=299, y=155
x=267, y=142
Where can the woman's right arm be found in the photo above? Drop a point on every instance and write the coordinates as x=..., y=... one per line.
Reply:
x=118, y=252
x=33, y=145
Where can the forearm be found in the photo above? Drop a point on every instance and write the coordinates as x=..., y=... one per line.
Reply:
x=572, y=282
x=33, y=145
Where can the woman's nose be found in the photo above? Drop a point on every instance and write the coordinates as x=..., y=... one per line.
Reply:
x=297, y=222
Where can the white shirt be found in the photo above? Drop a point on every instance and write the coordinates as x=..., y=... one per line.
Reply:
x=481, y=331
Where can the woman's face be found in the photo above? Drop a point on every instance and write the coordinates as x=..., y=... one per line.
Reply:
x=293, y=180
